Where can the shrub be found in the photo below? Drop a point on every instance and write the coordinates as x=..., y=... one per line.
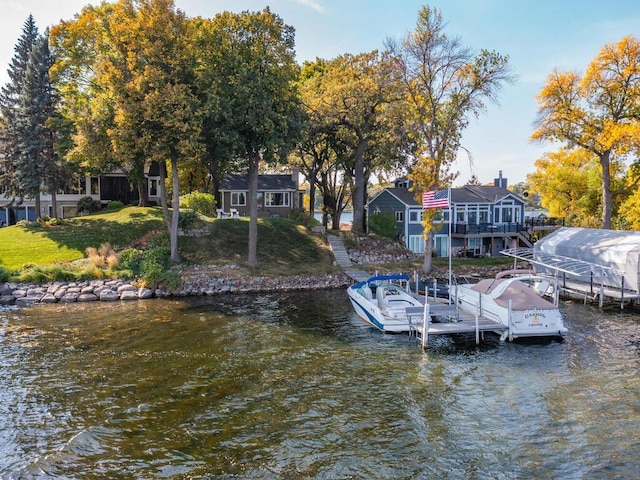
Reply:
x=152, y=267
x=383, y=224
x=187, y=219
x=88, y=204
x=104, y=257
x=4, y=274
x=115, y=205
x=32, y=273
x=53, y=222
x=204, y=203
x=304, y=218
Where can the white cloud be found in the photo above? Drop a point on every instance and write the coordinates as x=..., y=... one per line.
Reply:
x=311, y=4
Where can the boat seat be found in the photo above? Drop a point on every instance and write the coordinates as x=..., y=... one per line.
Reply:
x=380, y=296
x=366, y=292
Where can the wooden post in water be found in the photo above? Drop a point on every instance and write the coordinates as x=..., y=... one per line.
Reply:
x=477, y=326
x=425, y=324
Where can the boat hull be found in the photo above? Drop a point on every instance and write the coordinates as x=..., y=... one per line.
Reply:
x=386, y=313
x=527, y=315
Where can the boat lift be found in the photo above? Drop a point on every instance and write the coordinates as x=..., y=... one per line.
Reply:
x=575, y=277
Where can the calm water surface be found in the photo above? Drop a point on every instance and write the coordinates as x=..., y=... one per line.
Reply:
x=294, y=386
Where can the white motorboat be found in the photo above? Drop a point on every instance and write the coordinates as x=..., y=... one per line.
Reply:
x=515, y=302
x=385, y=302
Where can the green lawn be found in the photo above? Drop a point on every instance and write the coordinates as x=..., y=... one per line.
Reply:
x=45, y=245
x=284, y=247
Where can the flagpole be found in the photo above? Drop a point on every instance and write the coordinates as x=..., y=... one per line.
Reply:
x=450, y=220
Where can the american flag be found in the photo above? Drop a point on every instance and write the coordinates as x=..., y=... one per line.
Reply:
x=435, y=199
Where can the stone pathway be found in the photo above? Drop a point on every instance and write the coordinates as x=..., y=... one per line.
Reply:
x=343, y=261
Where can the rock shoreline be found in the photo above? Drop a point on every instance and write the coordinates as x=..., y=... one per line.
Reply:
x=194, y=284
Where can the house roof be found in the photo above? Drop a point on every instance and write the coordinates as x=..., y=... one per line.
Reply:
x=402, y=194
x=465, y=194
x=478, y=194
x=240, y=182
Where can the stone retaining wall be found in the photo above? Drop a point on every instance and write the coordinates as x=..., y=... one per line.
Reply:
x=193, y=284
x=363, y=258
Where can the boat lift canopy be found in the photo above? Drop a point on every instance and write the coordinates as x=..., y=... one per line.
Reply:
x=584, y=274
x=560, y=264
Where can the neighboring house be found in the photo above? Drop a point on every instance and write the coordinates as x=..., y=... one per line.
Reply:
x=278, y=195
x=105, y=188
x=486, y=219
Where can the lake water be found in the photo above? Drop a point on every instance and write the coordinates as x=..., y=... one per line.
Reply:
x=345, y=217
x=295, y=386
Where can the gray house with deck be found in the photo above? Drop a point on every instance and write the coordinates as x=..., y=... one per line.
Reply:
x=486, y=219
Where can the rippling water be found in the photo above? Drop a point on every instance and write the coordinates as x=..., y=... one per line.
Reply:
x=294, y=386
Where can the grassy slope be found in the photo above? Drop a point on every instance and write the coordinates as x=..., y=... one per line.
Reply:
x=284, y=247
x=45, y=245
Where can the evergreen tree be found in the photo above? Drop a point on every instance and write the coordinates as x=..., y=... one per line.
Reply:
x=10, y=95
x=35, y=165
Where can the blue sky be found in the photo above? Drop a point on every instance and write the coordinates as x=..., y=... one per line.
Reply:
x=537, y=35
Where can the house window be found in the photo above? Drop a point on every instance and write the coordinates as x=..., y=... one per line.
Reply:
x=484, y=214
x=416, y=243
x=399, y=216
x=153, y=187
x=414, y=216
x=95, y=186
x=277, y=199
x=76, y=185
x=238, y=199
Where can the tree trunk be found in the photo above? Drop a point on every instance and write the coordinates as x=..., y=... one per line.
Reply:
x=163, y=192
x=37, y=208
x=335, y=217
x=606, y=189
x=173, y=231
x=359, y=188
x=54, y=204
x=254, y=162
x=428, y=254
x=143, y=192
x=312, y=199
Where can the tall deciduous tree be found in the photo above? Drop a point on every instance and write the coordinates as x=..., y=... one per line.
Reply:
x=94, y=54
x=569, y=184
x=128, y=67
x=598, y=112
x=353, y=94
x=161, y=66
x=10, y=99
x=316, y=155
x=222, y=146
x=445, y=83
x=257, y=89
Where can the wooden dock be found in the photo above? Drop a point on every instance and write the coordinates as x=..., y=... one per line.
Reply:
x=443, y=319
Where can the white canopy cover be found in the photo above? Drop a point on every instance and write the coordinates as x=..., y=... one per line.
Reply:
x=615, y=254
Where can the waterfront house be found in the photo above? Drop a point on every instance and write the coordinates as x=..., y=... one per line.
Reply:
x=103, y=188
x=486, y=218
x=278, y=195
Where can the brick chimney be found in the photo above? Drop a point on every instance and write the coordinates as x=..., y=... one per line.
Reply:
x=500, y=182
